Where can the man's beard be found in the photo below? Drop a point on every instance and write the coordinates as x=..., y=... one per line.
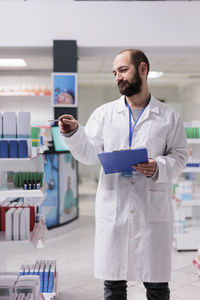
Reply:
x=131, y=88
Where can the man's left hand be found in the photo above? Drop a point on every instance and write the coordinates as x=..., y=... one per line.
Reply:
x=147, y=169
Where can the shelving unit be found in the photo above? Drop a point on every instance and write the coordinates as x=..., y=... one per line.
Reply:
x=193, y=141
x=190, y=238
x=192, y=170
x=17, y=192
x=46, y=296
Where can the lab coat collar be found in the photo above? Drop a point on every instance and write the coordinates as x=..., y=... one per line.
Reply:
x=151, y=107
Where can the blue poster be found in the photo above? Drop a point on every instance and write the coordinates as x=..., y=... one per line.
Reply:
x=64, y=89
x=67, y=188
x=49, y=207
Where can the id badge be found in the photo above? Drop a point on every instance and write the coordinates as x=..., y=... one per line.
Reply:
x=127, y=174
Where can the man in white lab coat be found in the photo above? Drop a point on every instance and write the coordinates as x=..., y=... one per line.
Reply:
x=134, y=217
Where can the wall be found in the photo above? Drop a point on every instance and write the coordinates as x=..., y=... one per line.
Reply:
x=124, y=23
x=191, y=102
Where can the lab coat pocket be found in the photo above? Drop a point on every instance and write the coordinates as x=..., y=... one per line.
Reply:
x=156, y=146
x=106, y=205
x=158, y=206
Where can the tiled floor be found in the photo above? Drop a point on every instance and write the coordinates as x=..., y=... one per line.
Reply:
x=74, y=254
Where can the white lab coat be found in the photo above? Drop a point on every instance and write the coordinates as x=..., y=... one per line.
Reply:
x=134, y=217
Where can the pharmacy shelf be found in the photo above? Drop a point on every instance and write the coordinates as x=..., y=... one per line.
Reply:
x=19, y=159
x=46, y=296
x=54, y=294
x=193, y=141
x=190, y=203
x=14, y=246
x=18, y=192
x=187, y=241
x=190, y=239
x=192, y=170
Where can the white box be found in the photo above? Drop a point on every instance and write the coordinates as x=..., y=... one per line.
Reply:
x=29, y=283
x=1, y=125
x=9, y=125
x=16, y=223
x=7, y=283
x=25, y=224
x=9, y=224
x=24, y=125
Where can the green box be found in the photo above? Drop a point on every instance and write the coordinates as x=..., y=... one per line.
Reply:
x=187, y=132
x=192, y=133
x=197, y=133
x=35, y=132
x=16, y=179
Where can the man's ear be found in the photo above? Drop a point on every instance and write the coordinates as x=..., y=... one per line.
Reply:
x=143, y=68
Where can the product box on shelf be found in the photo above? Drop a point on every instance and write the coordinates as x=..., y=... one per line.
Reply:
x=17, y=220
x=9, y=125
x=1, y=126
x=23, y=125
x=46, y=269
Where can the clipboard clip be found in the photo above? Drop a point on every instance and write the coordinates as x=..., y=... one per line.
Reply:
x=121, y=150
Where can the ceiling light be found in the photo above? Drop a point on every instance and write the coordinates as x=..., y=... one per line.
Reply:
x=153, y=74
x=12, y=63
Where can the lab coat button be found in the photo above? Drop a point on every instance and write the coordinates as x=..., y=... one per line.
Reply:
x=132, y=212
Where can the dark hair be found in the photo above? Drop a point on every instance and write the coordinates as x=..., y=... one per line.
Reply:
x=137, y=56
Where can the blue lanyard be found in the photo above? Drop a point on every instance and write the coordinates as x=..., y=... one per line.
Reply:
x=130, y=127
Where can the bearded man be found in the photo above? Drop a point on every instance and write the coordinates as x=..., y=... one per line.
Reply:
x=134, y=216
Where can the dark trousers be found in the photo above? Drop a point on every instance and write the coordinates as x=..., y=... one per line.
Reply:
x=117, y=290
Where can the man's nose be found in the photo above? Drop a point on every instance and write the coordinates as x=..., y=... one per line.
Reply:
x=118, y=77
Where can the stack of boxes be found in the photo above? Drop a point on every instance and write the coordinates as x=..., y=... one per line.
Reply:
x=192, y=132
x=15, y=129
x=17, y=220
x=47, y=272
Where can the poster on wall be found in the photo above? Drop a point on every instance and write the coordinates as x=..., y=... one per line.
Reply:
x=65, y=92
x=68, y=209
x=49, y=207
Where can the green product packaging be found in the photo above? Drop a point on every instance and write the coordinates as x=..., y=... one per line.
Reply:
x=16, y=179
x=20, y=179
x=189, y=133
x=197, y=134
x=35, y=136
x=27, y=176
x=31, y=176
x=41, y=178
x=34, y=176
x=35, y=144
x=192, y=133
x=35, y=132
x=23, y=177
x=37, y=176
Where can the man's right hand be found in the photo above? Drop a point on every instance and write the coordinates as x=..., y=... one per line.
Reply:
x=67, y=123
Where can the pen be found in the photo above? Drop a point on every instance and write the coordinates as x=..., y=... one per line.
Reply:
x=56, y=120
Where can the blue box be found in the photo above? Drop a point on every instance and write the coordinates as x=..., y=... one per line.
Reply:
x=22, y=149
x=13, y=147
x=4, y=149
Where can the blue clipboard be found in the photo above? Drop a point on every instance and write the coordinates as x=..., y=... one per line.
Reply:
x=122, y=160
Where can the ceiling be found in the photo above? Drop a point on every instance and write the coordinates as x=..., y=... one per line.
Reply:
x=181, y=66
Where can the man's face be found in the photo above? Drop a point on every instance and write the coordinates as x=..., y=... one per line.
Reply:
x=127, y=77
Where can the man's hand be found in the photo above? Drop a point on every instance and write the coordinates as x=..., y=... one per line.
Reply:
x=67, y=123
x=147, y=169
